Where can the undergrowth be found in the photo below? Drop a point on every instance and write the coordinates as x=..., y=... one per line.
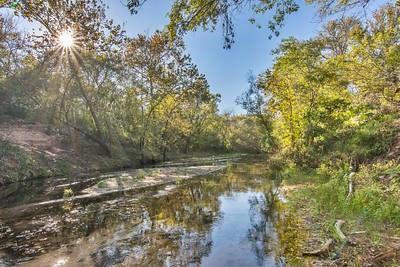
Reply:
x=375, y=203
x=15, y=164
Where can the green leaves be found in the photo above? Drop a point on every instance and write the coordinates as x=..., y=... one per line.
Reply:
x=318, y=89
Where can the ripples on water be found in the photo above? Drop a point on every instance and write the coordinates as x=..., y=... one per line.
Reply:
x=229, y=219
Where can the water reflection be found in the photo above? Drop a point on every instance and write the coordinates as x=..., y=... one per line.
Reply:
x=229, y=219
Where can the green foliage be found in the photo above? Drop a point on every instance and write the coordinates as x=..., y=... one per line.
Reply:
x=148, y=102
x=372, y=202
x=192, y=15
x=15, y=164
x=370, y=139
x=101, y=184
x=68, y=192
x=140, y=174
x=243, y=134
x=322, y=101
x=63, y=167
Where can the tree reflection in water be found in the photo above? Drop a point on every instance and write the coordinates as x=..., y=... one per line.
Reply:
x=233, y=212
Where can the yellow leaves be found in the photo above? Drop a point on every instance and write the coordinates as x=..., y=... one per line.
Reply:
x=166, y=106
x=29, y=60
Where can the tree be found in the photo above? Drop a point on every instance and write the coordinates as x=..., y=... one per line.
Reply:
x=255, y=102
x=87, y=18
x=165, y=83
x=308, y=95
x=12, y=46
x=373, y=64
x=19, y=74
x=191, y=15
x=96, y=40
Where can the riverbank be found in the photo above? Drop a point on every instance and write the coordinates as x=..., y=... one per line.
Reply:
x=341, y=230
x=349, y=181
x=30, y=151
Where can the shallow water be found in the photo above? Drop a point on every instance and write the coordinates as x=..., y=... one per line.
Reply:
x=227, y=219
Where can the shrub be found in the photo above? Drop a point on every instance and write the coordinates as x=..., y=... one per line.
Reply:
x=68, y=193
x=15, y=164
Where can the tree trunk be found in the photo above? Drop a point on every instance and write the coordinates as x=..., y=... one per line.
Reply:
x=96, y=121
x=187, y=145
x=95, y=139
x=164, y=154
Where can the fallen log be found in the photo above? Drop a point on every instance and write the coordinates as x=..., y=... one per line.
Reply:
x=325, y=248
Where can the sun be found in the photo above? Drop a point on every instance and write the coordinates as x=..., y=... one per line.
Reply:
x=66, y=39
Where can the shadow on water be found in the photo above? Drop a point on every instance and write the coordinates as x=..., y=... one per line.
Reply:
x=234, y=218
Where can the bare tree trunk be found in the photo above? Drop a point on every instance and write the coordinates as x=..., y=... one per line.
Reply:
x=99, y=136
x=94, y=138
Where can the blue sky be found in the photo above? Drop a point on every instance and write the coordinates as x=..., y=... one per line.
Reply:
x=226, y=70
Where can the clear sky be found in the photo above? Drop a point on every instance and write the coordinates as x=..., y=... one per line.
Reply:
x=226, y=70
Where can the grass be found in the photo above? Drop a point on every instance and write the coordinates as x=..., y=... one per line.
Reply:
x=140, y=174
x=374, y=204
x=376, y=201
x=63, y=167
x=101, y=184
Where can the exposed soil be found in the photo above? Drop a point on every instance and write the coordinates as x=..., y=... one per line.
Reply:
x=47, y=154
x=33, y=138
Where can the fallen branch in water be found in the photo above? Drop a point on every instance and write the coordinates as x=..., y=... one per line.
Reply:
x=326, y=247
